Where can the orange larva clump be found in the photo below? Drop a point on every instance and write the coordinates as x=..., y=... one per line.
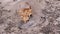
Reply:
x=25, y=12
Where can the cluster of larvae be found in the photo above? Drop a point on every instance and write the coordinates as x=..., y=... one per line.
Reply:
x=25, y=12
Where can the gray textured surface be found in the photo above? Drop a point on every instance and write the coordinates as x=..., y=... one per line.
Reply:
x=45, y=20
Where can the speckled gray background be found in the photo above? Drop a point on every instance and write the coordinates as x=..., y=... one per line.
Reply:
x=45, y=17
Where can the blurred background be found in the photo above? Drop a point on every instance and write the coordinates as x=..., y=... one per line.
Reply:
x=45, y=17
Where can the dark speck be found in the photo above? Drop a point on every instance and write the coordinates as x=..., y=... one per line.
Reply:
x=1, y=21
x=9, y=10
x=58, y=0
x=0, y=2
x=14, y=0
x=31, y=16
x=2, y=7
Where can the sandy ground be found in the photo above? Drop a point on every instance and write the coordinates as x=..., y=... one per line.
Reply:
x=45, y=17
